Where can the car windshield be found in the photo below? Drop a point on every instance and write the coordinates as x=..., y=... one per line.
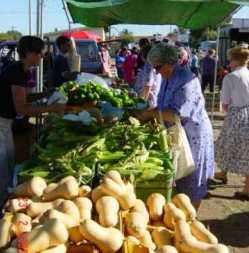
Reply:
x=88, y=52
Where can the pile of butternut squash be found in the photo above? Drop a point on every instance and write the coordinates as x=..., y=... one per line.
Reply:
x=64, y=217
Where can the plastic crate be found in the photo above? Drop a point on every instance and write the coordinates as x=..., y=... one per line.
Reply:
x=143, y=190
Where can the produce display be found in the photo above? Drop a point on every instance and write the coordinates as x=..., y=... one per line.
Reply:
x=77, y=94
x=65, y=219
x=86, y=152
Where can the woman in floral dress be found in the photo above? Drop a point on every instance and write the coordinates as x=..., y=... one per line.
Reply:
x=232, y=154
x=181, y=95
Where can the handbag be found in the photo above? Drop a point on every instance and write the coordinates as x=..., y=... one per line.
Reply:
x=184, y=162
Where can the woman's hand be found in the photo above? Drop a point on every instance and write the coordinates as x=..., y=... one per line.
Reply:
x=144, y=116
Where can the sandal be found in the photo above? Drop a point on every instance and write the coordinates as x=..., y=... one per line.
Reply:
x=222, y=179
x=242, y=196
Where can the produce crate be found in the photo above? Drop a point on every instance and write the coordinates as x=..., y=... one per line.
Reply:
x=143, y=190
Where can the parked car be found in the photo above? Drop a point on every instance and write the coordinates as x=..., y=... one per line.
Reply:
x=205, y=46
x=87, y=49
x=8, y=53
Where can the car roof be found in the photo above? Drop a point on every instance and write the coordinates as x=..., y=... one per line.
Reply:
x=8, y=43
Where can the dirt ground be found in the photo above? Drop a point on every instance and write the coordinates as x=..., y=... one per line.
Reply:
x=227, y=217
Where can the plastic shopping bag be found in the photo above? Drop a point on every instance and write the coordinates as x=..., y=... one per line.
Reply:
x=184, y=163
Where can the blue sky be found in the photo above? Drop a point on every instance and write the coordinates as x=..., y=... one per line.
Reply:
x=14, y=15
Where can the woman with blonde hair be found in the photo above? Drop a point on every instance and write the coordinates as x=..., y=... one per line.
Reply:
x=232, y=154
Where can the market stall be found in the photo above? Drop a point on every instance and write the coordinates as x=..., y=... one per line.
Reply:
x=96, y=186
x=99, y=180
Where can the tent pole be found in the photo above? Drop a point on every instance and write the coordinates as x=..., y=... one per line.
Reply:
x=67, y=14
x=215, y=72
x=30, y=18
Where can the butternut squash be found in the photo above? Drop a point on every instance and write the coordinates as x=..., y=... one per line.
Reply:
x=158, y=224
x=57, y=249
x=14, y=250
x=21, y=223
x=5, y=232
x=70, y=208
x=31, y=188
x=162, y=236
x=186, y=242
x=146, y=240
x=108, y=240
x=171, y=214
x=155, y=203
x=167, y=249
x=136, y=224
x=107, y=208
x=75, y=235
x=183, y=202
x=84, y=206
x=37, y=208
x=97, y=193
x=114, y=186
x=141, y=208
x=133, y=240
x=51, y=234
x=201, y=233
x=67, y=188
x=85, y=191
x=67, y=213
x=18, y=205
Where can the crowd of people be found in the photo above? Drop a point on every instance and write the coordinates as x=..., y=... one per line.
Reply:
x=167, y=77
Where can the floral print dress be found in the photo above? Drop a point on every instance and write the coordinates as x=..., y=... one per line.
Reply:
x=182, y=94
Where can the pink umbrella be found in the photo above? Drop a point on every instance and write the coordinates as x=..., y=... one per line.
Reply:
x=83, y=35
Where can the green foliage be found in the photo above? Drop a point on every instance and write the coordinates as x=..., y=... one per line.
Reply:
x=10, y=35
x=126, y=37
x=201, y=35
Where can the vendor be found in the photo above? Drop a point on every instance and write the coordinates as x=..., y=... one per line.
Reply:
x=181, y=95
x=61, y=68
x=148, y=82
x=14, y=102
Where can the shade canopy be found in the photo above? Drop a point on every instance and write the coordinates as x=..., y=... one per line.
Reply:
x=193, y=14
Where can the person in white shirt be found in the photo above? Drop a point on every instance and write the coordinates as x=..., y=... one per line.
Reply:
x=232, y=154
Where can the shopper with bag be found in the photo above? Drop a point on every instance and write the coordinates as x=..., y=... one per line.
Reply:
x=181, y=96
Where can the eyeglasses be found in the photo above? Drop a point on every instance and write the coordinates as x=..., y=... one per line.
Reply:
x=158, y=67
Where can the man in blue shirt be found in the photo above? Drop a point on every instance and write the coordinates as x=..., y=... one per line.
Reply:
x=61, y=69
x=208, y=70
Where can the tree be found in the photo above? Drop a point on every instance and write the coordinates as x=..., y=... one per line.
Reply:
x=4, y=36
x=10, y=35
x=126, y=37
x=202, y=34
x=15, y=35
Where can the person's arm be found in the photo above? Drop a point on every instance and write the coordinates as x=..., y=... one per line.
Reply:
x=32, y=97
x=24, y=108
x=147, y=115
x=149, y=81
x=226, y=93
x=145, y=93
x=225, y=107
